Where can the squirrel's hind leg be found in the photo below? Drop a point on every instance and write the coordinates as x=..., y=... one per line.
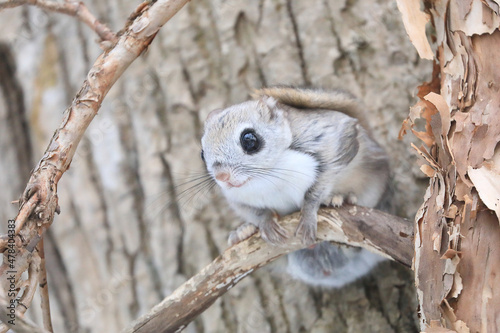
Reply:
x=241, y=233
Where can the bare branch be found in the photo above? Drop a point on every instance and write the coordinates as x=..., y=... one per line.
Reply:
x=374, y=230
x=22, y=324
x=30, y=284
x=72, y=8
x=40, y=202
x=29, y=288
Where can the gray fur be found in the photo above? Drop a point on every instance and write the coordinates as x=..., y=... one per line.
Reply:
x=304, y=126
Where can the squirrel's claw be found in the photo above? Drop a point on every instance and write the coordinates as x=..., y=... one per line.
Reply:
x=272, y=232
x=241, y=233
x=307, y=231
x=337, y=200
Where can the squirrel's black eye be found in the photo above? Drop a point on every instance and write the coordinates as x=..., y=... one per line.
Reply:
x=202, y=156
x=250, y=142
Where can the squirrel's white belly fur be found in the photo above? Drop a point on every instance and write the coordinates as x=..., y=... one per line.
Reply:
x=283, y=188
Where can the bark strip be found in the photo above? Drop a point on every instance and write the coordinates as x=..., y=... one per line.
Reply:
x=457, y=229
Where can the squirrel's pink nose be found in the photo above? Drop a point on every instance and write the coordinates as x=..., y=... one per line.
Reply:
x=222, y=176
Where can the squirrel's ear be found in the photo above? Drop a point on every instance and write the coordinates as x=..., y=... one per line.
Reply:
x=268, y=107
x=213, y=113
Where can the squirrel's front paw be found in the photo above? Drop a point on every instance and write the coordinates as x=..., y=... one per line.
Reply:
x=337, y=200
x=352, y=199
x=272, y=232
x=241, y=233
x=307, y=231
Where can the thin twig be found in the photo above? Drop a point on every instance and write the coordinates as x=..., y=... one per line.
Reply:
x=17, y=322
x=22, y=216
x=374, y=230
x=72, y=8
x=44, y=289
x=24, y=213
x=30, y=288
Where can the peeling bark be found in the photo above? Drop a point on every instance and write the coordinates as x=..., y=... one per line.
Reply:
x=457, y=227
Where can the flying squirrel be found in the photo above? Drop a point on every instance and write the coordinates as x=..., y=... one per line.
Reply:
x=294, y=149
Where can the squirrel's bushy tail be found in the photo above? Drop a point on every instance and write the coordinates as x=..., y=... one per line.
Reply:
x=331, y=265
x=303, y=98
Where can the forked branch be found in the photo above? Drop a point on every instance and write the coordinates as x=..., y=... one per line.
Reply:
x=72, y=8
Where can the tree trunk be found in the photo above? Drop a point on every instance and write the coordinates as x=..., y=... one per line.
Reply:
x=128, y=235
x=457, y=227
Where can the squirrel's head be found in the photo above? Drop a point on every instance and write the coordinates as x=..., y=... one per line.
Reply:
x=242, y=140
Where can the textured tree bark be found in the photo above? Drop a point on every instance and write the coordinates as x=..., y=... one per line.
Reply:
x=127, y=235
x=457, y=227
